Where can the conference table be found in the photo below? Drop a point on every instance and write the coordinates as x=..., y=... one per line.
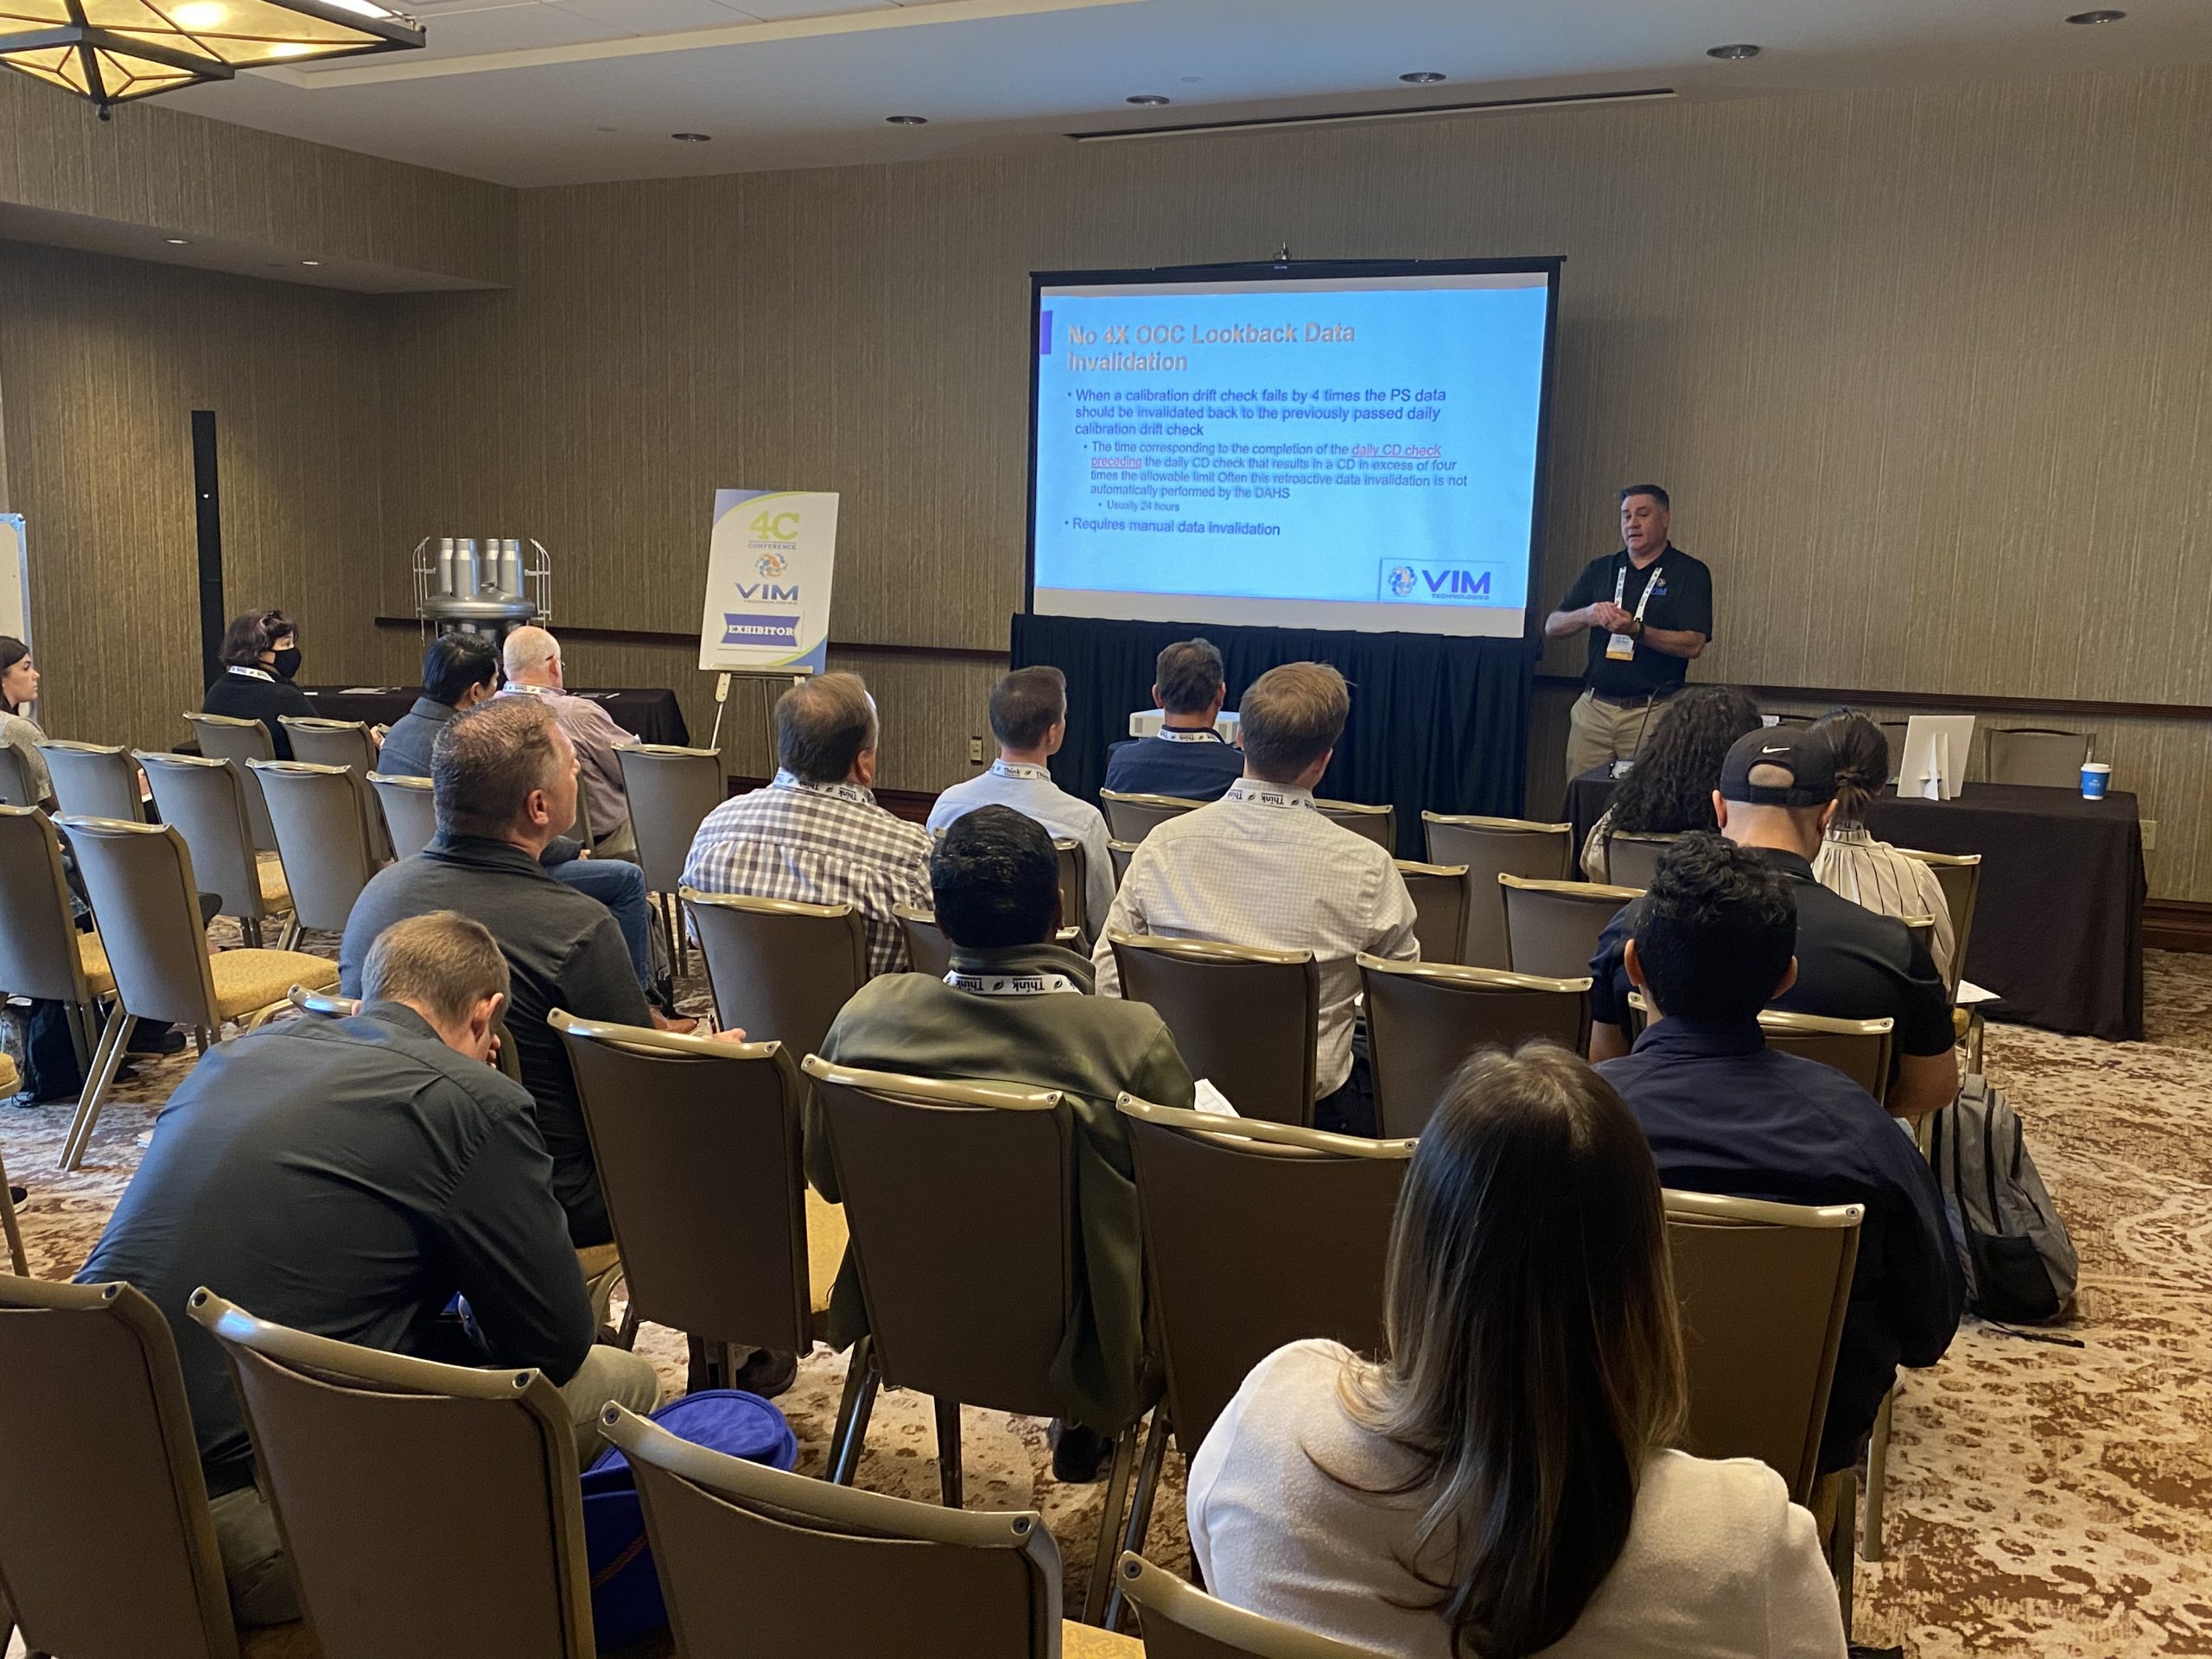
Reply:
x=2058, y=924
x=652, y=712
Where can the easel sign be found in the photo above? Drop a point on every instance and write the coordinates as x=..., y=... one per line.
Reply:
x=769, y=562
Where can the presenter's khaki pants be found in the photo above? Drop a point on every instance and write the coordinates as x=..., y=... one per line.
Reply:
x=1598, y=732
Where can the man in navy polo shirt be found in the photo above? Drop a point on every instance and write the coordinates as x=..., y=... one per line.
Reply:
x=1713, y=945
x=1187, y=757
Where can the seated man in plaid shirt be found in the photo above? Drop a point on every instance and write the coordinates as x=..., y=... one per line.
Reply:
x=815, y=834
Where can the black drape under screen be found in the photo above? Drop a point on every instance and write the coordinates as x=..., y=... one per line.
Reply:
x=1436, y=723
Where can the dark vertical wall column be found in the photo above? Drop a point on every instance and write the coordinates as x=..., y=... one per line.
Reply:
x=207, y=517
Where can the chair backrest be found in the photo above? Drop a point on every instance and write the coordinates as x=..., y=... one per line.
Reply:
x=139, y=878
x=1551, y=927
x=959, y=1198
x=697, y=1145
x=14, y=782
x=1377, y=824
x=1893, y=735
x=580, y=830
x=671, y=790
x=211, y=802
x=2038, y=755
x=1631, y=858
x=931, y=950
x=1860, y=1049
x=38, y=933
x=321, y=835
x=1246, y=1018
x=1959, y=874
x=108, y=1547
x=1120, y=852
x=223, y=738
x=1181, y=1621
x=778, y=970
x=411, y=811
x=753, y=1560
x=1423, y=1019
x=1256, y=1235
x=1922, y=929
x=424, y=1508
x=1132, y=817
x=1075, y=910
x=1762, y=1289
x=343, y=743
x=1439, y=896
x=93, y=780
x=1491, y=848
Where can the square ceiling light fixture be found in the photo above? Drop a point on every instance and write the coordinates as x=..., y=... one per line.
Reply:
x=112, y=51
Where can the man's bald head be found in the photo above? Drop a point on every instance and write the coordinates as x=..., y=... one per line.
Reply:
x=532, y=657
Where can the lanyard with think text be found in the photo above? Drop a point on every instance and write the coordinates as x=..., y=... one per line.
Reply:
x=1622, y=647
x=1014, y=984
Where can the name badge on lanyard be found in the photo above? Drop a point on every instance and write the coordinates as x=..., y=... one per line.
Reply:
x=1621, y=647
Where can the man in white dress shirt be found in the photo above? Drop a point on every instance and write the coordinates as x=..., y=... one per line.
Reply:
x=1029, y=718
x=1262, y=866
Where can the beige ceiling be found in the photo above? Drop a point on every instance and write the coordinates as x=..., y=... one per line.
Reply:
x=548, y=92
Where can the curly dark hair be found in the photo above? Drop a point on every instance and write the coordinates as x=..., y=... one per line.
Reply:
x=1715, y=933
x=1671, y=789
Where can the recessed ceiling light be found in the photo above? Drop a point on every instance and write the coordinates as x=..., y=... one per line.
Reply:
x=176, y=241
x=310, y=261
x=1146, y=100
x=1732, y=54
x=693, y=137
x=1422, y=78
x=2096, y=16
x=907, y=120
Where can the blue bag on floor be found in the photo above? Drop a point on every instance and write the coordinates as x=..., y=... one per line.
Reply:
x=625, y=1601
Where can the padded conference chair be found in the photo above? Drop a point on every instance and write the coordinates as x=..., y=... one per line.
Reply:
x=15, y=784
x=222, y=738
x=1132, y=817
x=1075, y=906
x=42, y=953
x=105, y=1529
x=670, y=791
x=1630, y=858
x=1182, y=1621
x=699, y=1145
x=1120, y=852
x=211, y=802
x=960, y=1197
x=1423, y=1019
x=1254, y=1235
x=753, y=1560
x=1439, y=896
x=10, y=1081
x=411, y=811
x=1491, y=848
x=1860, y=1049
x=1552, y=928
x=93, y=780
x=1377, y=824
x=2031, y=754
x=140, y=879
x=1893, y=735
x=1959, y=877
x=931, y=951
x=346, y=743
x=777, y=968
x=425, y=1508
x=321, y=836
x=1246, y=1018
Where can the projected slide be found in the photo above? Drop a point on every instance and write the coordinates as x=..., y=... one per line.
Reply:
x=1313, y=451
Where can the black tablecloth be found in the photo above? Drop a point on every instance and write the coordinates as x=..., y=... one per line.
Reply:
x=2058, y=924
x=650, y=711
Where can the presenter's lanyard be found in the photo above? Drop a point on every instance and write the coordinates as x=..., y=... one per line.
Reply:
x=1014, y=984
x=1621, y=647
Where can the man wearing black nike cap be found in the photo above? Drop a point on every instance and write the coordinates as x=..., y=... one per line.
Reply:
x=1776, y=794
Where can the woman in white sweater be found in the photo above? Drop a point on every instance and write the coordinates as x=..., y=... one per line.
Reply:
x=1499, y=1483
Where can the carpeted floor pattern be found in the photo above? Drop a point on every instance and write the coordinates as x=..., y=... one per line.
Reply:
x=2042, y=1500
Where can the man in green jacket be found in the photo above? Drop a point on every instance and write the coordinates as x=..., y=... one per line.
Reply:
x=1017, y=1008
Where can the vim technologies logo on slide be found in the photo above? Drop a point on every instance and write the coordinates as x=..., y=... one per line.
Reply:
x=1423, y=583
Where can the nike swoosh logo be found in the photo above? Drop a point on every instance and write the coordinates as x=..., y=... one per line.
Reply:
x=1784, y=749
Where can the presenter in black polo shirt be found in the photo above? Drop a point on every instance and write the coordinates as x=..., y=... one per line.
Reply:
x=1648, y=609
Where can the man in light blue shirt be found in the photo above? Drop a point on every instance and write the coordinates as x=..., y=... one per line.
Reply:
x=1029, y=718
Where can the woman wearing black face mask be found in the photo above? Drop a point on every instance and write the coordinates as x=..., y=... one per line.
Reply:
x=260, y=654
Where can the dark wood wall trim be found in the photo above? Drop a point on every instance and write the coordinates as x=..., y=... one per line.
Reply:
x=663, y=637
x=1933, y=701
x=2177, y=925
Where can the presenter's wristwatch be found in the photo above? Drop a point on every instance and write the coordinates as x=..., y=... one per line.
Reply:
x=1636, y=627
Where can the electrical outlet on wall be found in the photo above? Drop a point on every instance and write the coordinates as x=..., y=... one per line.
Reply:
x=975, y=750
x=2150, y=834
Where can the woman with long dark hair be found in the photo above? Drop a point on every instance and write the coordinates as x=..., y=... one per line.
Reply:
x=1669, y=789
x=1499, y=1483
x=260, y=654
x=18, y=686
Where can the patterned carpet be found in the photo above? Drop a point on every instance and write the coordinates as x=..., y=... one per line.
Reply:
x=2042, y=1500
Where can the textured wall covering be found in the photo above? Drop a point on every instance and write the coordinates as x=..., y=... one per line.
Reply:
x=102, y=362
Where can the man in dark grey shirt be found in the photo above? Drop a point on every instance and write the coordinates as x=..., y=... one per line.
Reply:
x=350, y=1178
x=505, y=779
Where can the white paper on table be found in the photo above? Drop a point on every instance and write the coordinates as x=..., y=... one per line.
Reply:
x=1211, y=1101
x=1970, y=994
